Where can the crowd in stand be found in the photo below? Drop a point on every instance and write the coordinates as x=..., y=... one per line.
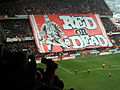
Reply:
x=23, y=46
x=24, y=7
x=13, y=28
x=111, y=28
x=108, y=24
x=19, y=28
x=115, y=39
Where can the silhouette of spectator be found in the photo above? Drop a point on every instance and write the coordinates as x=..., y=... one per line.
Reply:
x=57, y=82
x=71, y=89
x=32, y=65
x=50, y=70
x=1, y=49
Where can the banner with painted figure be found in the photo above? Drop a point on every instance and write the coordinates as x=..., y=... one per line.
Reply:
x=56, y=33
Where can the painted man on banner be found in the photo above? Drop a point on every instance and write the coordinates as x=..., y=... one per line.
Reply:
x=52, y=30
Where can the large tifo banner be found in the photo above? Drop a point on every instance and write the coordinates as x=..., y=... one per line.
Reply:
x=56, y=33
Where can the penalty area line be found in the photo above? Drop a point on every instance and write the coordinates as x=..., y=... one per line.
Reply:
x=65, y=69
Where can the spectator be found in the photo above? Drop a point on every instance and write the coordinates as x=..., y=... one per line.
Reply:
x=21, y=7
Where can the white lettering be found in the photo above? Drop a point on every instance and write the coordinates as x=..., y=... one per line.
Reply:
x=76, y=39
x=72, y=22
x=102, y=40
x=86, y=40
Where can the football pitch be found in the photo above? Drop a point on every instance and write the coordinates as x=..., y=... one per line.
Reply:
x=98, y=77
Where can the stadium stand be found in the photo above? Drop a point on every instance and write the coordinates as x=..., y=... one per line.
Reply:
x=108, y=24
x=25, y=7
x=111, y=29
x=19, y=29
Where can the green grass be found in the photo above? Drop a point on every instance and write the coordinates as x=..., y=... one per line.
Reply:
x=97, y=79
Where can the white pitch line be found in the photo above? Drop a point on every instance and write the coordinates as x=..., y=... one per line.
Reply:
x=115, y=69
x=65, y=69
x=95, y=60
x=99, y=69
x=91, y=69
x=85, y=60
x=115, y=65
